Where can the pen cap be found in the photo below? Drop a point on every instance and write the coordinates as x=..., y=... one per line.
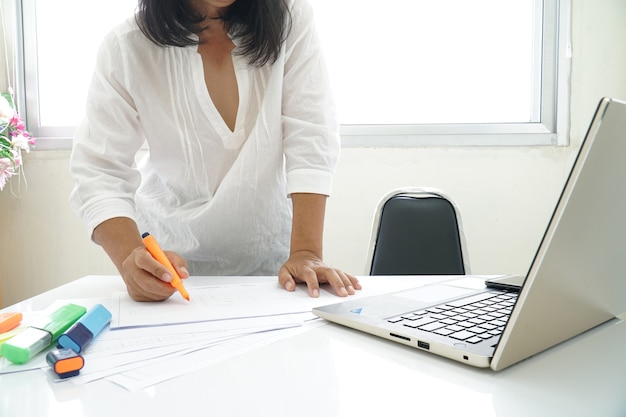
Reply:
x=85, y=329
x=61, y=320
x=9, y=335
x=9, y=321
x=19, y=349
x=76, y=338
x=65, y=362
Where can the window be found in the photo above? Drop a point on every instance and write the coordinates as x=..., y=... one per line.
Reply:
x=60, y=43
x=445, y=71
x=414, y=72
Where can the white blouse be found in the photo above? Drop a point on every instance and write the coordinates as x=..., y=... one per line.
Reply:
x=218, y=197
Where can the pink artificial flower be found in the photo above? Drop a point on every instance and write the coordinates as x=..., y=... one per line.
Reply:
x=7, y=170
x=15, y=139
x=17, y=123
x=19, y=142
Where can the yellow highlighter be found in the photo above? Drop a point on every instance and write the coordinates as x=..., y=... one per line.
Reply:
x=158, y=254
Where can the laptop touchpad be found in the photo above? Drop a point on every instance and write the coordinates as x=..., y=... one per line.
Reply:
x=434, y=293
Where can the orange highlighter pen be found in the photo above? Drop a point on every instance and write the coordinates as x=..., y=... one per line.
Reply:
x=158, y=254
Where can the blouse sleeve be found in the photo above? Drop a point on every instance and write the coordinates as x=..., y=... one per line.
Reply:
x=105, y=144
x=310, y=127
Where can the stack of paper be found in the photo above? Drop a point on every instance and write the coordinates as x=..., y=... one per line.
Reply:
x=147, y=343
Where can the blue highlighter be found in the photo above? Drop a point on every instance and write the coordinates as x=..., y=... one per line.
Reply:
x=86, y=329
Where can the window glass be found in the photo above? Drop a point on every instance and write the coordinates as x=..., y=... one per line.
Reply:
x=425, y=61
x=68, y=35
x=400, y=69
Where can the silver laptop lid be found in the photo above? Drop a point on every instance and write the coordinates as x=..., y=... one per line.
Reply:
x=576, y=280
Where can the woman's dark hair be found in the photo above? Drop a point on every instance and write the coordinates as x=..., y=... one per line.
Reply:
x=260, y=26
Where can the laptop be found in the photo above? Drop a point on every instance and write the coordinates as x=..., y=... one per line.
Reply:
x=576, y=281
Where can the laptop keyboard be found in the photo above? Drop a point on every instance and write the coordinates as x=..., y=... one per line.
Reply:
x=472, y=319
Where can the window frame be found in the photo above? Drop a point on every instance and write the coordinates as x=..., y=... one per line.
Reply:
x=551, y=127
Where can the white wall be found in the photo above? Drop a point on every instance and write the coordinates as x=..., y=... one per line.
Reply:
x=505, y=195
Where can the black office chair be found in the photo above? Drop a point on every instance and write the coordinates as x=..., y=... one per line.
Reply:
x=417, y=232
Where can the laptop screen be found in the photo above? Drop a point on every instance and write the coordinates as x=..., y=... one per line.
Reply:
x=576, y=280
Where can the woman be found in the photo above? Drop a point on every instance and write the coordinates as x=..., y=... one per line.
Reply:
x=233, y=101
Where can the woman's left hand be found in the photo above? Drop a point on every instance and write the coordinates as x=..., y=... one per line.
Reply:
x=306, y=267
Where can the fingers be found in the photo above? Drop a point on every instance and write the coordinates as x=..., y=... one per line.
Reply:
x=179, y=263
x=140, y=272
x=343, y=284
x=285, y=279
x=142, y=286
x=144, y=260
x=354, y=281
x=310, y=277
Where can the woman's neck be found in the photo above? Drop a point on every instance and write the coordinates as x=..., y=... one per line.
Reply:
x=211, y=12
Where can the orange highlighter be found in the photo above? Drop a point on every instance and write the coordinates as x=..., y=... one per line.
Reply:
x=9, y=321
x=158, y=254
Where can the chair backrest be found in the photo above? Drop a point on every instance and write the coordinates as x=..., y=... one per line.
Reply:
x=417, y=231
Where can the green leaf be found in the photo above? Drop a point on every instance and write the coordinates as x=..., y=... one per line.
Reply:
x=9, y=99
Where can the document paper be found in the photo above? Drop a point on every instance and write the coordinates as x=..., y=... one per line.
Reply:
x=215, y=302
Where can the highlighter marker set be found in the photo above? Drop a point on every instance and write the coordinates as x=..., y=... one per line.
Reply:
x=72, y=327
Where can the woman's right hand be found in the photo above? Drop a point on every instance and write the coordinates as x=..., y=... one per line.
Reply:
x=147, y=279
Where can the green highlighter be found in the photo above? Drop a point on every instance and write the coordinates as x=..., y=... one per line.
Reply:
x=38, y=337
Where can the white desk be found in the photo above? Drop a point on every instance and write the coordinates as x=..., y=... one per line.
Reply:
x=334, y=371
